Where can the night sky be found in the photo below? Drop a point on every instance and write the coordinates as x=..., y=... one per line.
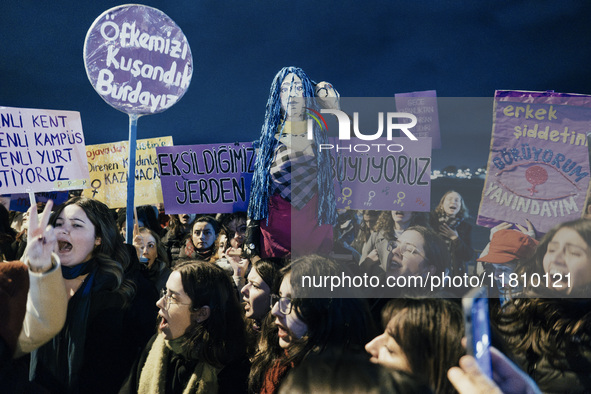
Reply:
x=365, y=48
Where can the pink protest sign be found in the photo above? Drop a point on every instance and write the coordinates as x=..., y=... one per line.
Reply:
x=384, y=175
x=538, y=166
x=137, y=59
x=41, y=150
x=209, y=178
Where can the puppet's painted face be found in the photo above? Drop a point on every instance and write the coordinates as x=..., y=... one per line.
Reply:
x=292, y=97
x=327, y=96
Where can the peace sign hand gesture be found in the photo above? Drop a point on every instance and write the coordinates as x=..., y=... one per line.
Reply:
x=41, y=239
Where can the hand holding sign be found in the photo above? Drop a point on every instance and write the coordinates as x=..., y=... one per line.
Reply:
x=139, y=61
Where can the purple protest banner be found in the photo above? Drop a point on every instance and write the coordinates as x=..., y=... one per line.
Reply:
x=382, y=175
x=210, y=178
x=538, y=166
x=137, y=59
x=424, y=106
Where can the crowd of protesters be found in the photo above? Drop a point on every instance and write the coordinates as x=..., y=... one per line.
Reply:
x=201, y=314
x=217, y=303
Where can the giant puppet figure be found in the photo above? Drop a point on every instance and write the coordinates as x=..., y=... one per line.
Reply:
x=292, y=199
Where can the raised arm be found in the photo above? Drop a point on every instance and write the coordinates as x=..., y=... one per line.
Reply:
x=47, y=301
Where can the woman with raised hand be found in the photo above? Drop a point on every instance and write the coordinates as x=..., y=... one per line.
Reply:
x=449, y=220
x=152, y=256
x=47, y=302
x=96, y=347
x=33, y=303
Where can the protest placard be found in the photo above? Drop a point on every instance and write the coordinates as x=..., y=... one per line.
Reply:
x=41, y=150
x=21, y=202
x=382, y=174
x=424, y=106
x=538, y=166
x=209, y=178
x=137, y=59
x=108, y=166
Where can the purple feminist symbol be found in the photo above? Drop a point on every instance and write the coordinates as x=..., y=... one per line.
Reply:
x=536, y=175
x=137, y=59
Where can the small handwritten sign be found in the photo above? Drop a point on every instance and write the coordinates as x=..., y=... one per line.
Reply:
x=108, y=165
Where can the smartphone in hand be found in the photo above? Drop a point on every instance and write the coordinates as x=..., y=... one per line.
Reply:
x=477, y=327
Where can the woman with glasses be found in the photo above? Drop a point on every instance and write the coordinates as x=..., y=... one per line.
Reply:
x=389, y=226
x=305, y=325
x=547, y=331
x=417, y=251
x=416, y=254
x=200, y=344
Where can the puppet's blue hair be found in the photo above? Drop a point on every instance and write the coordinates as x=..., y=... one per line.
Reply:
x=258, y=206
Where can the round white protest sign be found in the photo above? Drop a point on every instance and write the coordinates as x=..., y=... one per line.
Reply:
x=137, y=59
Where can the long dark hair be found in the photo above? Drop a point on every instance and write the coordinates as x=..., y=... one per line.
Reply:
x=429, y=331
x=349, y=374
x=110, y=255
x=535, y=264
x=269, y=271
x=553, y=328
x=364, y=229
x=342, y=324
x=175, y=228
x=219, y=339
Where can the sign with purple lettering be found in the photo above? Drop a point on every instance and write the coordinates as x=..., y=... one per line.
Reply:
x=424, y=106
x=137, y=59
x=538, y=166
x=383, y=175
x=211, y=178
x=41, y=150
